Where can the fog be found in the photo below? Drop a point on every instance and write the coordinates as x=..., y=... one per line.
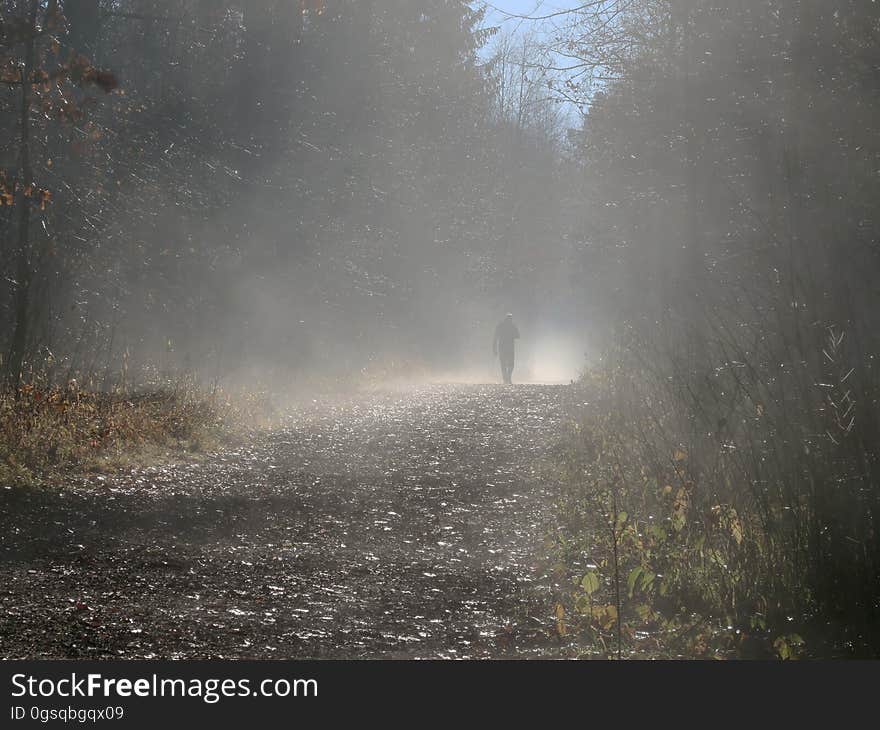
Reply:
x=370, y=187
x=344, y=200
x=302, y=197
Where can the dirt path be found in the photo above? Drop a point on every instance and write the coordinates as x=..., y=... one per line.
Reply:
x=397, y=524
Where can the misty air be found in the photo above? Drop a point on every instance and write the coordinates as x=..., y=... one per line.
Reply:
x=435, y=329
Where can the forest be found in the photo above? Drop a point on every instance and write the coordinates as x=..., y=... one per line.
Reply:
x=253, y=255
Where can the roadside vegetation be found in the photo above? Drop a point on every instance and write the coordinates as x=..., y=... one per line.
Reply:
x=48, y=432
x=683, y=534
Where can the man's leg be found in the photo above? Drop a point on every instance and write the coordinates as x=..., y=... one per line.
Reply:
x=506, y=367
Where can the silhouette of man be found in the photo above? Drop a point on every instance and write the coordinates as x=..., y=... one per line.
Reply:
x=503, y=345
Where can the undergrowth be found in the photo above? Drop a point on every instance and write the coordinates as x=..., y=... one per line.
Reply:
x=669, y=544
x=49, y=431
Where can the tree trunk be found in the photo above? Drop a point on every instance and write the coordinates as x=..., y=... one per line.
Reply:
x=24, y=273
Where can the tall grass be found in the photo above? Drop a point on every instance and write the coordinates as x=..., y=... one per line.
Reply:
x=48, y=430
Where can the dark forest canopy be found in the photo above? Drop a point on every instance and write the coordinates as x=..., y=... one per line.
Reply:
x=317, y=186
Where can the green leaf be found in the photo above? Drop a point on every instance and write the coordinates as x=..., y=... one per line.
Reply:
x=782, y=648
x=590, y=583
x=633, y=578
x=678, y=521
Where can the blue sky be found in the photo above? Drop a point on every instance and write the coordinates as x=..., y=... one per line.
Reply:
x=499, y=13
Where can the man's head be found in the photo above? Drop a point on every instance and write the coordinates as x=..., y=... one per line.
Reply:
x=509, y=315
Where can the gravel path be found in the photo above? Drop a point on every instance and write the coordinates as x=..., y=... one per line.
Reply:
x=395, y=524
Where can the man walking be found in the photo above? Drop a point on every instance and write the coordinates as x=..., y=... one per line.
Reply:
x=503, y=345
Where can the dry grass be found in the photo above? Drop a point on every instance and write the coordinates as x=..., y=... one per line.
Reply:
x=51, y=431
